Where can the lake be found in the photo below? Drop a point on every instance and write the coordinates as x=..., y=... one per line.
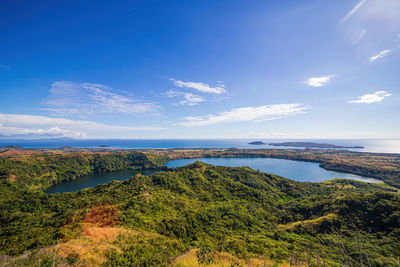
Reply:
x=296, y=170
x=92, y=180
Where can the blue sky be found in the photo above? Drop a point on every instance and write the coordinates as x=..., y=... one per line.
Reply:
x=200, y=69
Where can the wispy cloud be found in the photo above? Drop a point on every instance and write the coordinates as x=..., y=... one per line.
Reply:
x=42, y=126
x=381, y=54
x=353, y=10
x=84, y=98
x=318, y=81
x=189, y=99
x=254, y=114
x=376, y=97
x=201, y=87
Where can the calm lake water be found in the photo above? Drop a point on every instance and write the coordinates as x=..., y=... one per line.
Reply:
x=92, y=180
x=296, y=170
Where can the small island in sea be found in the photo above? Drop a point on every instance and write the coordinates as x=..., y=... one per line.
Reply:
x=257, y=143
x=311, y=145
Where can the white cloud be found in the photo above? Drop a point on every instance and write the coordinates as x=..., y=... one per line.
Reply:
x=254, y=114
x=381, y=54
x=201, y=87
x=51, y=132
x=318, y=81
x=376, y=97
x=353, y=10
x=189, y=98
x=86, y=98
x=29, y=125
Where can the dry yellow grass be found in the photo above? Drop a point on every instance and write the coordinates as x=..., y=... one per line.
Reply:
x=308, y=222
x=92, y=245
x=221, y=259
x=12, y=178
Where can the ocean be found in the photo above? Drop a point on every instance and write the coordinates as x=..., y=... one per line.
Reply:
x=370, y=145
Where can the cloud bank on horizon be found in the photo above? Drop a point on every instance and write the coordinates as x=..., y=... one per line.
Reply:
x=13, y=125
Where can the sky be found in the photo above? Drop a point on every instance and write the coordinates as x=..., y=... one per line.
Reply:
x=200, y=69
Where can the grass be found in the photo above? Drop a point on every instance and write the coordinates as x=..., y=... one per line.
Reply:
x=222, y=259
x=312, y=222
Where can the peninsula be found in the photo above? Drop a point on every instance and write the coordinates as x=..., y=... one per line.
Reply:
x=310, y=144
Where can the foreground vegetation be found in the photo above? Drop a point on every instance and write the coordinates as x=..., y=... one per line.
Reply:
x=193, y=214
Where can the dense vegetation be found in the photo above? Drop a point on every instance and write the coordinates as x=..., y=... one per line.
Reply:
x=243, y=212
x=385, y=167
x=44, y=170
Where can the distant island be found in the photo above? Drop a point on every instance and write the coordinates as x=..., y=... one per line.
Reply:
x=103, y=146
x=257, y=143
x=310, y=144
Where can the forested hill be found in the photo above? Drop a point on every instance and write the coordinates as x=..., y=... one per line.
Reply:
x=40, y=171
x=247, y=214
x=41, y=168
x=385, y=167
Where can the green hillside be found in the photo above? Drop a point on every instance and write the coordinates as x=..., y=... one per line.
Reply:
x=243, y=212
x=44, y=170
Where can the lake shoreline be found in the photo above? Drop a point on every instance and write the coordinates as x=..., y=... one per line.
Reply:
x=380, y=166
x=104, y=178
x=285, y=161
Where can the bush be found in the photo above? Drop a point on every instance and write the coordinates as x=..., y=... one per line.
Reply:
x=205, y=255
